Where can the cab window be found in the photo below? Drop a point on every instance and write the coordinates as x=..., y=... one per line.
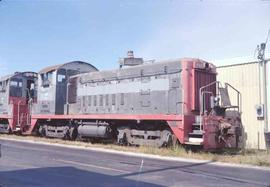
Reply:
x=61, y=76
x=15, y=88
x=3, y=85
x=47, y=78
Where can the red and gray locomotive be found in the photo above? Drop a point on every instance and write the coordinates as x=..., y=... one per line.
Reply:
x=17, y=94
x=141, y=103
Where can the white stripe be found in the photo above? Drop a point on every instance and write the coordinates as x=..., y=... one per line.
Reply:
x=91, y=165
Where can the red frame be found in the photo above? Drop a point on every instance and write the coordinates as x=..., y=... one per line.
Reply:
x=157, y=117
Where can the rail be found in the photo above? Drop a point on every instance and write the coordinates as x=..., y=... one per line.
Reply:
x=201, y=99
x=30, y=103
x=18, y=119
x=67, y=98
x=183, y=100
x=239, y=97
x=218, y=86
x=203, y=94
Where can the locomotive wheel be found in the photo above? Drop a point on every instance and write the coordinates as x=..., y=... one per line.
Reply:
x=73, y=133
x=175, y=141
x=9, y=131
x=42, y=131
x=123, y=141
x=167, y=137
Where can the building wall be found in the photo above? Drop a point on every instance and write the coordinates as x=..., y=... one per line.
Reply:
x=268, y=93
x=245, y=77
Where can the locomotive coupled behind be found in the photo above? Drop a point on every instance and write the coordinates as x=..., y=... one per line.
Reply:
x=17, y=94
x=141, y=103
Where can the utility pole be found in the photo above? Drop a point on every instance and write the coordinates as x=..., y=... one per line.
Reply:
x=263, y=68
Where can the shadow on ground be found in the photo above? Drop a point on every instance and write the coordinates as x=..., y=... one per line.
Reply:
x=64, y=176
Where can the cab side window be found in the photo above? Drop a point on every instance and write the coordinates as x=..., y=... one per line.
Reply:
x=3, y=85
x=61, y=76
x=46, y=78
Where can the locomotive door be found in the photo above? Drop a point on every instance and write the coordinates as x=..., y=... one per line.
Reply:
x=174, y=97
x=174, y=105
x=30, y=90
x=61, y=87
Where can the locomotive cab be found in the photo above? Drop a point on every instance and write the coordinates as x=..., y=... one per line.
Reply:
x=17, y=93
x=52, y=86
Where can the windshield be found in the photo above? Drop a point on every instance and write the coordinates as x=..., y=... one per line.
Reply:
x=15, y=89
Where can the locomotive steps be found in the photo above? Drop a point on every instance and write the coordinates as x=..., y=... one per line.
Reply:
x=196, y=136
x=247, y=158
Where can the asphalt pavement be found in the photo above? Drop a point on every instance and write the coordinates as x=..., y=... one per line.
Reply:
x=33, y=165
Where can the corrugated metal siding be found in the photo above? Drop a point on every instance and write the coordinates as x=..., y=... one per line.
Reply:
x=245, y=78
x=268, y=93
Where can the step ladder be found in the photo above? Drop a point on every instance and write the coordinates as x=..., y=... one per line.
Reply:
x=196, y=136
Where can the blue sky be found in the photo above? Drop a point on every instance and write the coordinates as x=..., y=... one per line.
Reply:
x=35, y=34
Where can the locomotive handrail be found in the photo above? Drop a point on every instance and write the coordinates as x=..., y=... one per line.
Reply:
x=239, y=97
x=22, y=118
x=67, y=97
x=30, y=102
x=115, y=78
x=203, y=94
x=200, y=97
x=18, y=119
x=183, y=100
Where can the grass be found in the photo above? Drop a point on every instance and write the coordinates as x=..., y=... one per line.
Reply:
x=245, y=156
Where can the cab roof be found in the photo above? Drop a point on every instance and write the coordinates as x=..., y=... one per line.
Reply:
x=26, y=73
x=58, y=66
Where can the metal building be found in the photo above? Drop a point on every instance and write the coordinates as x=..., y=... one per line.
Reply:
x=247, y=78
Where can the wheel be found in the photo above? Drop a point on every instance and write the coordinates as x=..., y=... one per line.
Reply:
x=42, y=131
x=73, y=133
x=167, y=138
x=9, y=130
x=175, y=142
x=123, y=139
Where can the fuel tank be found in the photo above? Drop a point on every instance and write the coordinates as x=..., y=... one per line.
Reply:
x=94, y=130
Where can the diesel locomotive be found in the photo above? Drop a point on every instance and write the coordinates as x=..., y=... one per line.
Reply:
x=140, y=103
x=17, y=94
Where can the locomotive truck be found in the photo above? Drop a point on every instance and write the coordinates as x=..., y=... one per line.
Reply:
x=140, y=103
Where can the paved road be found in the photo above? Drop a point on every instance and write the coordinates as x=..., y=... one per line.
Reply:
x=26, y=164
